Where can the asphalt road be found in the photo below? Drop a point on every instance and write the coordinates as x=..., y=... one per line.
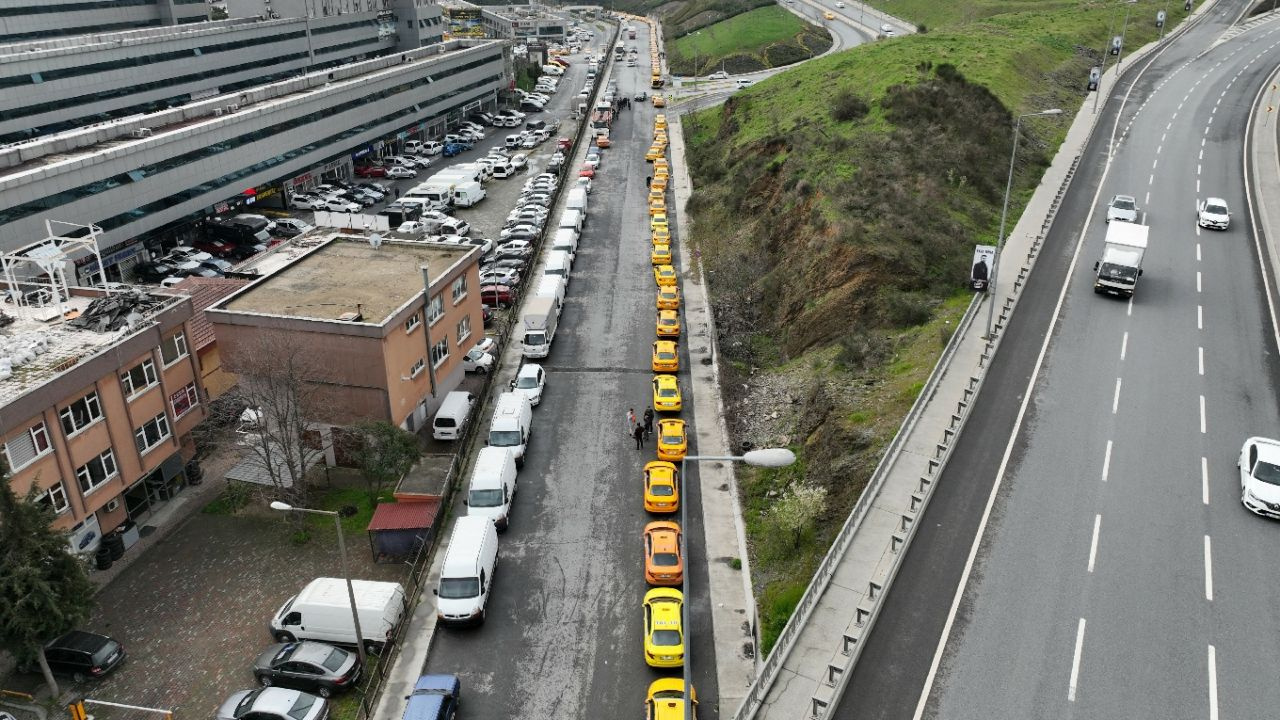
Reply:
x=1113, y=439
x=564, y=633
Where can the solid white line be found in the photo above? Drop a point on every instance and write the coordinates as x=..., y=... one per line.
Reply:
x=1115, y=399
x=1208, y=570
x=1075, y=663
x=1199, y=317
x=1213, y=683
x=1204, y=480
x=1198, y=286
x=1106, y=462
x=1202, y=430
x=1093, y=546
x=1124, y=345
x=1201, y=360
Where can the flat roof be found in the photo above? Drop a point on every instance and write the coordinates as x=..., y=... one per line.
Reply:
x=345, y=273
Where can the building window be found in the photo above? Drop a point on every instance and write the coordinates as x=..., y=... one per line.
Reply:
x=173, y=349
x=152, y=433
x=92, y=474
x=22, y=450
x=417, y=368
x=439, y=352
x=464, y=329
x=436, y=309
x=139, y=378
x=459, y=288
x=184, y=399
x=413, y=322
x=80, y=414
x=55, y=497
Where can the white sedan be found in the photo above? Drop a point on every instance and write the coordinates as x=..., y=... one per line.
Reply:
x=477, y=361
x=1259, y=465
x=1213, y=214
x=530, y=382
x=520, y=161
x=340, y=205
x=413, y=227
x=400, y=171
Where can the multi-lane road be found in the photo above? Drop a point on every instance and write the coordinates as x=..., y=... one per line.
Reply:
x=1116, y=573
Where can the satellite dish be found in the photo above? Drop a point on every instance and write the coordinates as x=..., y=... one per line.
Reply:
x=375, y=241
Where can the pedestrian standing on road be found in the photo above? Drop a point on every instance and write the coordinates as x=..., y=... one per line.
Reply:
x=648, y=421
x=638, y=433
x=397, y=193
x=647, y=179
x=631, y=421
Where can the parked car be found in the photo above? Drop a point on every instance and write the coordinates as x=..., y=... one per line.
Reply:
x=454, y=226
x=312, y=666
x=500, y=276
x=221, y=248
x=291, y=227
x=340, y=205
x=81, y=655
x=477, y=361
x=273, y=703
x=400, y=171
x=370, y=171
x=307, y=202
x=434, y=697
x=186, y=253
x=500, y=295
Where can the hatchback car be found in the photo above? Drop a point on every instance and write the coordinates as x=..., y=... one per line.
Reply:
x=663, y=563
x=81, y=655
x=663, y=634
x=273, y=703
x=664, y=275
x=665, y=358
x=661, y=486
x=1213, y=214
x=530, y=381
x=1123, y=207
x=1259, y=465
x=666, y=393
x=665, y=699
x=311, y=666
x=672, y=441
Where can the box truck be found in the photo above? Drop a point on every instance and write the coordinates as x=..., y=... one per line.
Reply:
x=1118, y=271
x=540, y=318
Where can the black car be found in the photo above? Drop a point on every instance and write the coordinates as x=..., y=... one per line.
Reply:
x=245, y=251
x=82, y=655
x=510, y=263
x=311, y=666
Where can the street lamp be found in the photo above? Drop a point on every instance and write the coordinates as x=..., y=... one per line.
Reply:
x=764, y=457
x=346, y=574
x=1004, y=212
x=1119, y=55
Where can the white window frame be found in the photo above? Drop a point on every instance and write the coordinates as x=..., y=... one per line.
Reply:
x=148, y=369
x=35, y=434
x=84, y=477
x=435, y=309
x=161, y=423
x=464, y=329
x=413, y=323
x=417, y=368
x=442, y=348
x=56, y=496
x=179, y=341
x=459, y=289
x=92, y=402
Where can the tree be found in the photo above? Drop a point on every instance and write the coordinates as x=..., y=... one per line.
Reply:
x=45, y=588
x=386, y=453
x=796, y=510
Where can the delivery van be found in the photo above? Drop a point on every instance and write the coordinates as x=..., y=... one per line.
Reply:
x=322, y=611
x=468, y=194
x=572, y=219
x=557, y=264
x=565, y=240
x=552, y=286
x=451, y=419
x=512, y=424
x=466, y=575
x=493, y=485
x=578, y=201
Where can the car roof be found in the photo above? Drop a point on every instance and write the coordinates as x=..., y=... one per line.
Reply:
x=81, y=640
x=1216, y=201
x=1123, y=197
x=276, y=700
x=529, y=369
x=1268, y=450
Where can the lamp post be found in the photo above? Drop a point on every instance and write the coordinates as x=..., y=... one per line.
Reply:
x=346, y=574
x=1105, y=52
x=765, y=457
x=1004, y=212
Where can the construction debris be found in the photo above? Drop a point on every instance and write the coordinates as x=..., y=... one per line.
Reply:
x=118, y=310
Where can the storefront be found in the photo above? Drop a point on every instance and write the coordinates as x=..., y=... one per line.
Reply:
x=148, y=495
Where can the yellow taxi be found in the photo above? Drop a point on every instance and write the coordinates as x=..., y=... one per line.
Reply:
x=666, y=392
x=665, y=358
x=662, y=235
x=660, y=122
x=658, y=206
x=659, y=101
x=660, y=138
x=659, y=182
x=656, y=193
x=668, y=324
x=672, y=441
x=653, y=153
x=663, y=636
x=666, y=698
x=663, y=563
x=661, y=254
x=661, y=167
x=664, y=275
x=829, y=15
x=668, y=297
x=661, y=485
x=656, y=221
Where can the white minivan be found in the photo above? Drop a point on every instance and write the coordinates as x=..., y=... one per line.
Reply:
x=493, y=486
x=466, y=575
x=451, y=418
x=322, y=611
x=512, y=424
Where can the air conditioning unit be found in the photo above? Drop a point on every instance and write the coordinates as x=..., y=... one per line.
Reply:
x=142, y=132
x=233, y=107
x=217, y=112
x=112, y=506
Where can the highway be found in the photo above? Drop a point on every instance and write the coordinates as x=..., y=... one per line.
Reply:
x=564, y=634
x=1117, y=574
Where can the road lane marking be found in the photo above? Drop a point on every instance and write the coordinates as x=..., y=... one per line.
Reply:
x=1208, y=570
x=1200, y=362
x=1155, y=163
x=1199, y=317
x=1201, y=154
x=1213, y=683
x=1151, y=178
x=1204, y=480
x=1147, y=199
x=1162, y=138
x=1198, y=286
x=1075, y=663
x=1129, y=310
x=1197, y=250
x=1115, y=399
x=1124, y=345
x=1093, y=546
x=1197, y=186
x=1202, y=430
x=1106, y=462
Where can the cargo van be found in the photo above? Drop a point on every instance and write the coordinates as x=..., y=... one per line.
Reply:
x=552, y=69
x=512, y=424
x=493, y=486
x=466, y=575
x=572, y=219
x=578, y=201
x=557, y=264
x=451, y=418
x=566, y=240
x=322, y=611
x=552, y=286
x=468, y=194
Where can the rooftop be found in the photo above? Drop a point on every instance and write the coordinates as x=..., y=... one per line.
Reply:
x=204, y=293
x=347, y=274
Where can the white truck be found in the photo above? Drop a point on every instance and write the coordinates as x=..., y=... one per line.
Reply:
x=1118, y=271
x=540, y=318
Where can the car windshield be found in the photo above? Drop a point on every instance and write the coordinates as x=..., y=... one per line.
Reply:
x=302, y=706
x=667, y=638
x=1112, y=271
x=1266, y=472
x=1215, y=209
x=246, y=702
x=663, y=355
x=531, y=339
x=666, y=559
x=485, y=498
x=662, y=490
x=335, y=660
x=504, y=438
x=527, y=382
x=459, y=588
x=1123, y=204
x=671, y=439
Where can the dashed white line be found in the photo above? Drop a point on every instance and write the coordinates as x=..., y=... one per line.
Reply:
x=1155, y=163
x=1198, y=286
x=1124, y=345
x=1199, y=317
x=1075, y=663
x=1200, y=362
x=1201, y=154
x=1151, y=178
x=1115, y=399
x=1204, y=480
x=1208, y=570
x=1106, y=462
x=1093, y=545
x=1202, y=418
x=1147, y=200
x=1162, y=138
x=1197, y=250
x=1213, y=683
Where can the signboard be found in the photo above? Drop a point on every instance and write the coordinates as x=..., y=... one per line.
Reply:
x=983, y=259
x=464, y=22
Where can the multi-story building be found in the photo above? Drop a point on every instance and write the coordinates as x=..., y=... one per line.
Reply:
x=521, y=23
x=382, y=350
x=97, y=416
x=27, y=19
x=234, y=112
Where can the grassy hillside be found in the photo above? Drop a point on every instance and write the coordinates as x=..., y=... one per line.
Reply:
x=835, y=207
x=761, y=38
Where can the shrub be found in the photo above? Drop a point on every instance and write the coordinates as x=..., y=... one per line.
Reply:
x=848, y=107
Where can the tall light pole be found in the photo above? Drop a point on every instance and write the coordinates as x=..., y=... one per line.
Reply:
x=346, y=574
x=765, y=457
x=1004, y=212
x=1105, y=52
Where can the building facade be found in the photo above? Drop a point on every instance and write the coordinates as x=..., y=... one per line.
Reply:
x=28, y=20
x=388, y=353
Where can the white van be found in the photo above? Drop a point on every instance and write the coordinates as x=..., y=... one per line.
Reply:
x=552, y=286
x=468, y=194
x=572, y=219
x=557, y=264
x=512, y=424
x=565, y=240
x=493, y=486
x=322, y=611
x=466, y=575
x=553, y=70
x=578, y=201
x=451, y=418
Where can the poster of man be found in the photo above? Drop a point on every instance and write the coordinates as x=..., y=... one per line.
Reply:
x=983, y=257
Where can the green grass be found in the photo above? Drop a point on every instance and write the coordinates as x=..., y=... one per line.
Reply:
x=338, y=498
x=234, y=497
x=760, y=38
x=776, y=605
x=347, y=705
